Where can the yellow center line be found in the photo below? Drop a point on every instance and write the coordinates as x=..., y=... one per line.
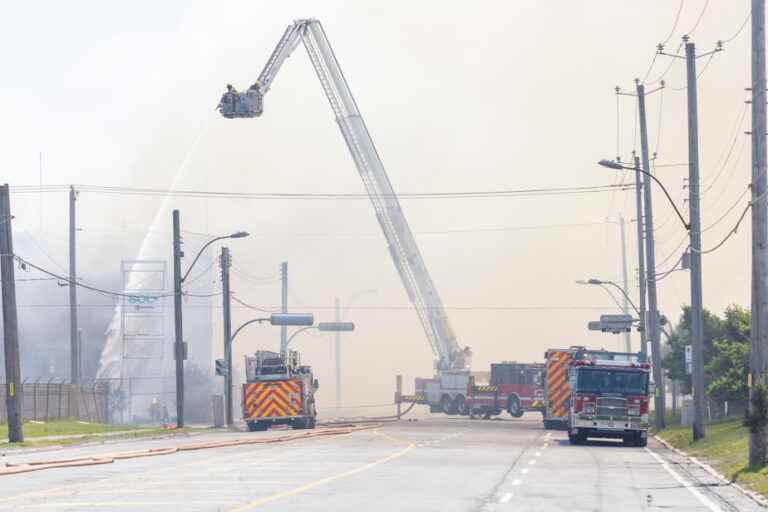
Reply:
x=311, y=485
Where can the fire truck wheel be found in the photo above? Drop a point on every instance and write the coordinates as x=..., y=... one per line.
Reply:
x=514, y=407
x=460, y=406
x=257, y=426
x=446, y=404
x=637, y=440
x=577, y=438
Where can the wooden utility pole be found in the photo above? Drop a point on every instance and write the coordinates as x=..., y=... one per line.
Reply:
x=13, y=385
x=758, y=445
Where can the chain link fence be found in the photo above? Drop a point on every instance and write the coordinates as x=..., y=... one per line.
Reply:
x=51, y=399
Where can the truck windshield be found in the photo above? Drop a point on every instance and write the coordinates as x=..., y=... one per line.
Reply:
x=612, y=381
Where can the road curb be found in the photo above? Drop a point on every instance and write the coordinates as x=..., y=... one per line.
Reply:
x=756, y=497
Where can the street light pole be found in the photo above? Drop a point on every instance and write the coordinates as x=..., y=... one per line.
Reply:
x=337, y=305
x=627, y=337
x=179, y=346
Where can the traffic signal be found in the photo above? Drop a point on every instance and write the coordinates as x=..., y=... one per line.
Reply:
x=221, y=367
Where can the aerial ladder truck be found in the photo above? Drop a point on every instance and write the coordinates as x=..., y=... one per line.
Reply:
x=445, y=392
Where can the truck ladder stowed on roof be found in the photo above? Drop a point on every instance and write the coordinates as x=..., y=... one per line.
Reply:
x=402, y=245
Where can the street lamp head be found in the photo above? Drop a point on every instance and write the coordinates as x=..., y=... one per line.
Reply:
x=610, y=164
x=292, y=319
x=239, y=234
x=336, y=326
x=594, y=281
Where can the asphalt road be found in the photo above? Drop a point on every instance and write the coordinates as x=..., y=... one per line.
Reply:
x=438, y=464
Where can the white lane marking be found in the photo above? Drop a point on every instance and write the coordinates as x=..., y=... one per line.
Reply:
x=524, y=471
x=532, y=462
x=538, y=454
x=516, y=481
x=548, y=436
x=506, y=498
x=685, y=483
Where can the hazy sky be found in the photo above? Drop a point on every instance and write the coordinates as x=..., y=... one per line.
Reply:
x=458, y=96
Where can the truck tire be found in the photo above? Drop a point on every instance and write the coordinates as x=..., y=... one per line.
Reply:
x=514, y=407
x=257, y=426
x=639, y=440
x=446, y=405
x=577, y=439
x=460, y=405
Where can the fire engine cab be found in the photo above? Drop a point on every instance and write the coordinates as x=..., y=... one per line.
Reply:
x=609, y=399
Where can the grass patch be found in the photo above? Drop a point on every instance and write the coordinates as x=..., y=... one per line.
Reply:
x=726, y=447
x=64, y=428
x=37, y=434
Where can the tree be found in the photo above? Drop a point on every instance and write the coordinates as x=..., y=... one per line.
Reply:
x=674, y=361
x=728, y=368
x=726, y=353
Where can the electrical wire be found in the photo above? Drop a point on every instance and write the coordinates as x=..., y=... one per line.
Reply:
x=730, y=233
x=666, y=40
x=741, y=29
x=255, y=308
x=198, y=194
x=729, y=210
x=698, y=20
x=26, y=263
x=674, y=25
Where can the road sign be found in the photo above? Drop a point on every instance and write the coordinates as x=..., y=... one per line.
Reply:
x=689, y=359
x=612, y=323
x=221, y=367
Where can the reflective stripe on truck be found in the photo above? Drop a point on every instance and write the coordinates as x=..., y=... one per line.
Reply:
x=273, y=399
x=558, y=389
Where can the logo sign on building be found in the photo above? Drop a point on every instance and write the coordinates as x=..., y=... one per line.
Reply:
x=143, y=302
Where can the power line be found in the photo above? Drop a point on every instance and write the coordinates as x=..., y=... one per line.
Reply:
x=729, y=210
x=674, y=25
x=112, y=293
x=741, y=28
x=541, y=191
x=666, y=40
x=698, y=20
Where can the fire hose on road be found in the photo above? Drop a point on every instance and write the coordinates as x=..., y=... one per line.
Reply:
x=26, y=467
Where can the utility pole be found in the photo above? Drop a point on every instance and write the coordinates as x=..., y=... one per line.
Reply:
x=284, y=306
x=758, y=444
x=74, y=346
x=641, y=256
x=627, y=339
x=697, y=322
x=179, y=350
x=13, y=385
x=337, y=307
x=653, y=315
x=225, y=262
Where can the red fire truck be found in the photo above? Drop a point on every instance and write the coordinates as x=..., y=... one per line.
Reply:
x=514, y=387
x=557, y=389
x=609, y=399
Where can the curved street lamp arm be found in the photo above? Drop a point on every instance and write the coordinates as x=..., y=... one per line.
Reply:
x=297, y=332
x=204, y=247
x=664, y=189
x=624, y=293
x=249, y=322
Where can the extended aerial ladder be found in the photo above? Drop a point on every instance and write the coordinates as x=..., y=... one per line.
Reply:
x=402, y=245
